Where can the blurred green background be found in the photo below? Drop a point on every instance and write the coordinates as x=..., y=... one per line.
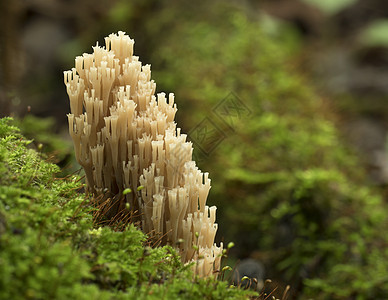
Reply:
x=285, y=102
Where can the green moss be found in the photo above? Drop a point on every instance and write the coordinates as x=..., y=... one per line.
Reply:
x=50, y=247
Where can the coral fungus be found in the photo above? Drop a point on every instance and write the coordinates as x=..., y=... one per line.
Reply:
x=125, y=137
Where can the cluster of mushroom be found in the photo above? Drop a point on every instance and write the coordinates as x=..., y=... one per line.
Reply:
x=125, y=137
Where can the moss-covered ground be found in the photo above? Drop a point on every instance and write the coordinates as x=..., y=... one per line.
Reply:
x=51, y=247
